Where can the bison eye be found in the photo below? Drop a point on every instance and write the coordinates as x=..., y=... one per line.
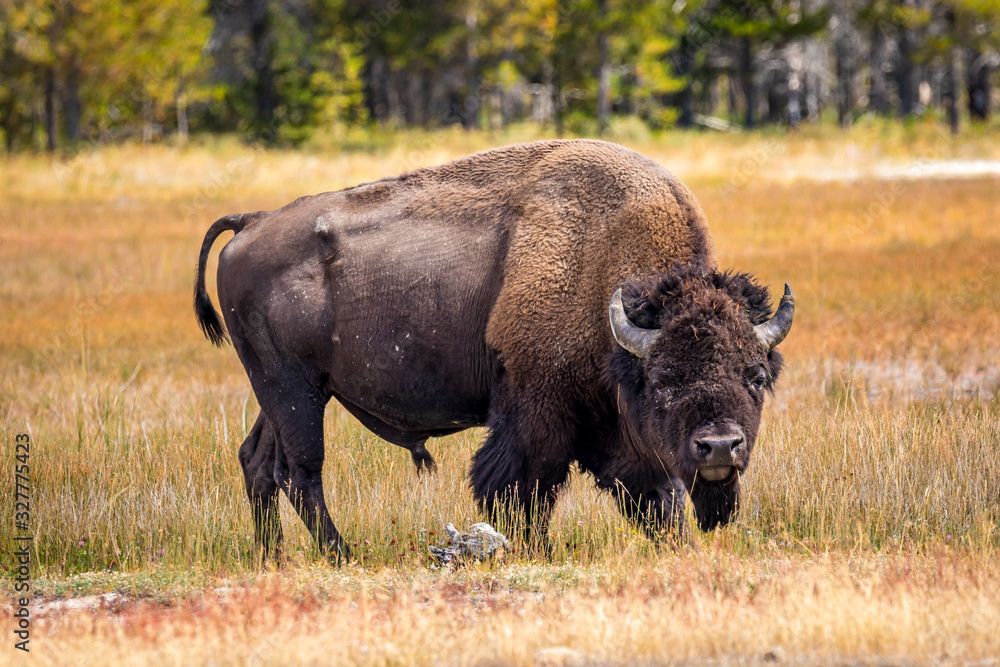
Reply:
x=759, y=380
x=657, y=379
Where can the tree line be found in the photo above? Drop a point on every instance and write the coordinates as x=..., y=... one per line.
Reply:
x=279, y=71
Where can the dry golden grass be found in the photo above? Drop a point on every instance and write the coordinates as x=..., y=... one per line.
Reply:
x=870, y=521
x=710, y=607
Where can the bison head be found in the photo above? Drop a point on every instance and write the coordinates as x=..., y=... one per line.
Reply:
x=696, y=358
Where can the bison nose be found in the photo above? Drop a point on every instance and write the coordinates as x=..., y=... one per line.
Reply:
x=718, y=446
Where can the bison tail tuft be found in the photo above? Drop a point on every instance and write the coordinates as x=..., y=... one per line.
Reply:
x=207, y=316
x=208, y=319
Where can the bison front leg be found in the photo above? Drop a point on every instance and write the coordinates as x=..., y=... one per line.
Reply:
x=257, y=456
x=517, y=474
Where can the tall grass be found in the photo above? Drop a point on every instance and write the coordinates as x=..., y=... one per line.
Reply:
x=128, y=492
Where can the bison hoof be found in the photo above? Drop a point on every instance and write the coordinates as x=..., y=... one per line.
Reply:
x=338, y=553
x=423, y=460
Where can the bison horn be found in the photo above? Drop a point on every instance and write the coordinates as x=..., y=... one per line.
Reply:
x=635, y=339
x=773, y=331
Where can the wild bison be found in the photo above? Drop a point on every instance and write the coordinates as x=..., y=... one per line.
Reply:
x=562, y=293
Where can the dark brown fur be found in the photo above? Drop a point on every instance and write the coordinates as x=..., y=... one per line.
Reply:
x=474, y=293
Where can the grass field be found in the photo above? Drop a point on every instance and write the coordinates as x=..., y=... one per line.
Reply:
x=869, y=528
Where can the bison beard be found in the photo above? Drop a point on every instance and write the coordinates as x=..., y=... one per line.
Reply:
x=483, y=293
x=715, y=503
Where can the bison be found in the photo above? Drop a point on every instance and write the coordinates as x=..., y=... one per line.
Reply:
x=562, y=293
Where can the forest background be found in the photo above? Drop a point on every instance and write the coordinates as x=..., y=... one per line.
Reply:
x=75, y=73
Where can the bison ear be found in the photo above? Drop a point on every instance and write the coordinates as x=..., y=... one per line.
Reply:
x=775, y=364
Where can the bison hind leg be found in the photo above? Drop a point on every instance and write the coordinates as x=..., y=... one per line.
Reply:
x=422, y=458
x=256, y=456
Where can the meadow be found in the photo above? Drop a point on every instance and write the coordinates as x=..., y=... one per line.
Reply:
x=869, y=528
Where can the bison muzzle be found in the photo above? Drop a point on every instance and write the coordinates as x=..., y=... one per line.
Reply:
x=562, y=293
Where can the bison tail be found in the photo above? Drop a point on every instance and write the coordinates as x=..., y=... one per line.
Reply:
x=207, y=316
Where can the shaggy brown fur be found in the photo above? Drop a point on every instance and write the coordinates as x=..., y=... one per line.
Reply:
x=467, y=294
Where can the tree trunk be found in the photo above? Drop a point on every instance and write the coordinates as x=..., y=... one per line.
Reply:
x=547, y=100
x=7, y=110
x=712, y=93
x=949, y=96
x=734, y=103
x=71, y=103
x=8, y=127
x=977, y=79
x=413, y=99
x=952, y=99
x=558, y=106
x=877, y=97
x=845, y=98
x=470, y=107
x=376, y=97
x=496, y=108
x=262, y=56
x=846, y=52
x=50, y=109
x=395, y=105
x=746, y=80
x=684, y=66
x=603, y=75
x=811, y=94
x=8, y=123
x=813, y=62
x=794, y=106
x=906, y=73
x=558, y=59
x=776, y=102
x=147, y=119
x=182, y=115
